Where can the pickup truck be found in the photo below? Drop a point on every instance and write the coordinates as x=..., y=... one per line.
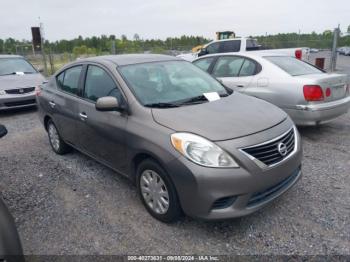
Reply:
x=243, y=44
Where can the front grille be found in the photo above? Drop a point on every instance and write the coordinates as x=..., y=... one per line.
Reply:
x=20, y=103
x=224, y=202
x=20, y=91
x=264, y=196
x=274, y=151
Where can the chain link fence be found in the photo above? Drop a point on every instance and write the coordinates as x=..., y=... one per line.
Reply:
x=55, y=61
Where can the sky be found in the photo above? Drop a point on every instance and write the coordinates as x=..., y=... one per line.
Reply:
x=67, y=19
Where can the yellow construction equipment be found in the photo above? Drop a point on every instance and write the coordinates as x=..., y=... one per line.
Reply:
x=219, y=36
x=225, y=35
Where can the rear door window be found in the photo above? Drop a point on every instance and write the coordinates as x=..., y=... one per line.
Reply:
x=68, y=81
x=248, y=68
x=204, y=63
x=228, y=66
x=60, y=79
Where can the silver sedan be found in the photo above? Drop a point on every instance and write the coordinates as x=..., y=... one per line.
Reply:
x=18, y=80
x=309, y=95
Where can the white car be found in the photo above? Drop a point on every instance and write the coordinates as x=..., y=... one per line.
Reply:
x=243, y=44
x=344, y=50
x=308, y=94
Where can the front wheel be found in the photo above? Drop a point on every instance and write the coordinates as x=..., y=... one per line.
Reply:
x=56, y=142
x=157, y=192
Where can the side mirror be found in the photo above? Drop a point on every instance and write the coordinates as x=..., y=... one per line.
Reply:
x=40, y=70
x=3, y=131
x=107, y=103
x=203, y=52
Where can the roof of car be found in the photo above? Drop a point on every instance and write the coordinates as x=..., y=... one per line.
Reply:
x=11, y=56
x=251, y=54
x=129, y=59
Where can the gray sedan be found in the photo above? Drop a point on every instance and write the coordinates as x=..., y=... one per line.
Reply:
x=187, y=142
x=18, y=80
x=309, y=95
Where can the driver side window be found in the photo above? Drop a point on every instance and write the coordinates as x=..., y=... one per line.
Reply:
x=98, y=83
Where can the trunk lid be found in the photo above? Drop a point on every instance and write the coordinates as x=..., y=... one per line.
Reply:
x=336, y=82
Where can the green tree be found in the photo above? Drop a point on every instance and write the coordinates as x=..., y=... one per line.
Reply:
x=136, y=37
x=124, y=38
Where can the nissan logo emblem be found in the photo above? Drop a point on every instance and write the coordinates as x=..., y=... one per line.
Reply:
x=21, y=90
x=282, y=149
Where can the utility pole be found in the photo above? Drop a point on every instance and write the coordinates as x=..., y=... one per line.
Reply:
x=336, y=33
x=43, y=47
x=113, y=47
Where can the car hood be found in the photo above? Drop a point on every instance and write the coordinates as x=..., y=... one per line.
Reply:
x=20, y=81
x=231, y=117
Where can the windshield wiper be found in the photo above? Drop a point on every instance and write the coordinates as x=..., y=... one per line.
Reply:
x=161, y=105
x=8, y=74
x=194, y=100
x=15, y=73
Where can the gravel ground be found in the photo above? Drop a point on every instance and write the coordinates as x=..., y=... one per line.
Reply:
x=73, y=205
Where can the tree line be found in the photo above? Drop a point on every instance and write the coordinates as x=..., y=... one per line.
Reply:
x=103, y=44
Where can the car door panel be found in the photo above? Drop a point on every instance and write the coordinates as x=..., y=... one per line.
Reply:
x=240, y=72
x=238, y=83
x=64, y=103
x=101, y=134
x=65, y=116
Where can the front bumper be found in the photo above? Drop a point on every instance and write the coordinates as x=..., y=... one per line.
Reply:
x=17, y=101
x=239, y=191
x=319, y=113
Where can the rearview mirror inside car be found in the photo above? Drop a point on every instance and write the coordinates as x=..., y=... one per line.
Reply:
x=3, y=131
x=107, y=103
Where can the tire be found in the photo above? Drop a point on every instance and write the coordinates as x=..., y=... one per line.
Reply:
x=56, y=142
x=157, y=207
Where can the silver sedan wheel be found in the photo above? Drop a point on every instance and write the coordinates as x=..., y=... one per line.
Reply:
x=154, y=191
x=53, y=136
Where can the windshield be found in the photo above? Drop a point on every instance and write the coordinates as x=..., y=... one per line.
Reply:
x=293, y=66
x=12, y=65
x=169, y=82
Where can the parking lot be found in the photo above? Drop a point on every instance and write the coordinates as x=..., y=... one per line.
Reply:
x=73, y=205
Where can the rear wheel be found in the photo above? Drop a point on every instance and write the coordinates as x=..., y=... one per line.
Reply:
x=157, y=192
x=56, y=142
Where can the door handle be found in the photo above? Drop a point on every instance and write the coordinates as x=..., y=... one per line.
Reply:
x=240, y=85
x=52, y=104
x=83, y=116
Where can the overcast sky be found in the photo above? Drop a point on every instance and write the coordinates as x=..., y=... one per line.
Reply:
x=66, y=19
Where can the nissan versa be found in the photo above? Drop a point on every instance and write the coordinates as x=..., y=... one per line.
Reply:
x=189, y=143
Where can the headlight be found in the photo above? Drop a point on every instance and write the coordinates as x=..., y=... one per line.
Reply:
x=201, y=151
x=2, y=92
